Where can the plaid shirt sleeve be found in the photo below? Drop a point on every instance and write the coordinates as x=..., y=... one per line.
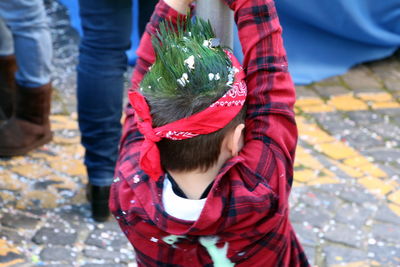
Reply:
x=271, y=130
x=146, y=58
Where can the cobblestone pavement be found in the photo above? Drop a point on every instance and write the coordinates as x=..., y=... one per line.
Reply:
x=345, y=200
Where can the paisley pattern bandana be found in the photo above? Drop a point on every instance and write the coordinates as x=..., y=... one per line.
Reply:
x=210, y=120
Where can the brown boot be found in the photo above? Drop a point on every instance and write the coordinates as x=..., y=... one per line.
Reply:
x=29, y=127
x=8, y=67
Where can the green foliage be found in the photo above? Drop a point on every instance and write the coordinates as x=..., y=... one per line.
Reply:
x=186, y=64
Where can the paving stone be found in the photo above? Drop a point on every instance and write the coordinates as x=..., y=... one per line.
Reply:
x=334, y=168
x=386, y=130
x=395, y=197
x=334, y=80
x=371, y=169
x=384, y=214
x=109, y=264
x=362, y=138
x=325, y=118
x=357, y=195
x=347, y=103
x=388, y=232
x=105, y=254
x=38, y=200
x=103, y=239
x=71, y=167
x=377, y=186
x=312, y=134
x=55, y=236
x=111, y=225
x=10, y=258
x=55, y=265
x=9, y=181
x=320, y=199
x=17, y=221
x=333, y=189
x=330, y=90
x=365, y=118
x=393, y=173
x=310, y=216
x=11, y=235
x=57, y=253
x=336, y=124
x=75, y=215
x=376, y=98
x=351, y=171
x=337, y=150
x=9, y=254
x=396, y=118
x=336, y=254
x=43, y=185
x=390, y=115
x=389, y=71
x=360, y=80
x=7, y=199
x=391, y=155
x=310, y=253
x=305, y=92
x=31, y=170
x=306, y=234
x=349, y=235
x=387, y=255
x=353, y=215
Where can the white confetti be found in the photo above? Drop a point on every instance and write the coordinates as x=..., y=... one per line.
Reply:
x=217, y=77
x=190, y=62
x=211, y=76
x=183, y=80
x=153, y=239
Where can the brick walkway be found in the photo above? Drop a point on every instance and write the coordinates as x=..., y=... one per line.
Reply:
x=345, y=200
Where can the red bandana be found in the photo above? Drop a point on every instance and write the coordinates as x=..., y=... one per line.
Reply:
x=210, y=120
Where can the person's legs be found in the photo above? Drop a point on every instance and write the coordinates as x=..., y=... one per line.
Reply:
x=29, y=127
x=7, y=72
x=6, y=42
x=102, y=62
x=146, y=8
x=28, y=23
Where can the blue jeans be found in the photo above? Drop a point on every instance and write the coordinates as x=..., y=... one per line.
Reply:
x=24, y=31
x=106, y=28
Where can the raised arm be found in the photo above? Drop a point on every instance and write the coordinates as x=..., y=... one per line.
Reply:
x=165, y=9
x=270, y=116
x=173, y=10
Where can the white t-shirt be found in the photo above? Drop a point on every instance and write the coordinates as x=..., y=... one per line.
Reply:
x=179, y=207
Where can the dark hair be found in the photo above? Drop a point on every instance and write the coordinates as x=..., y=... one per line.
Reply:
x=189, y=74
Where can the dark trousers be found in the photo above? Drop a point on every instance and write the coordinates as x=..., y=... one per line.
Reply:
x=107, y=26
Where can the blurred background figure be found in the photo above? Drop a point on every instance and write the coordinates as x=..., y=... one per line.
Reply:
x=325, y=38
x=106, y=36
x=25, y=73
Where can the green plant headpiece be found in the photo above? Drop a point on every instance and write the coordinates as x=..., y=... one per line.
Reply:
x=190, y=63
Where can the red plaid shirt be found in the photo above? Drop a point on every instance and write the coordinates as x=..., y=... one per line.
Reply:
x=246, y=212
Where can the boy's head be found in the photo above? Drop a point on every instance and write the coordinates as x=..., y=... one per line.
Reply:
x=190, y=73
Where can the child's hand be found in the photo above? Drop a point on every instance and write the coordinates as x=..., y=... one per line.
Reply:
x=182, y=6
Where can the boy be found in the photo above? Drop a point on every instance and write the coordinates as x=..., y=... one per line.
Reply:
x=201, y=181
